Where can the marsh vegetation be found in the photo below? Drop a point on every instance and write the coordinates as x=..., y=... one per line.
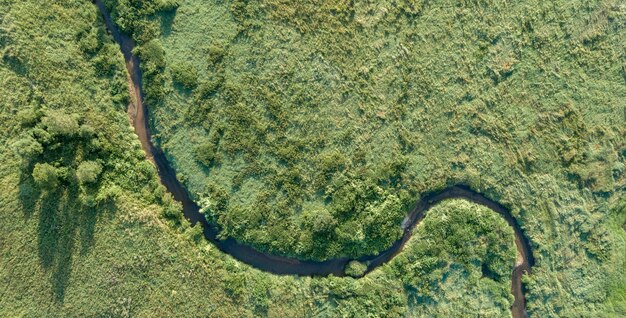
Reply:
x=309, y=129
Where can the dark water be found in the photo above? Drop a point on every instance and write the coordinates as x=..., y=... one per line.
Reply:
x=290, y=266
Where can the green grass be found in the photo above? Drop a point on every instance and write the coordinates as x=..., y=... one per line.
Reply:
x=546, y=140
x=348, y=111
x=308, y=104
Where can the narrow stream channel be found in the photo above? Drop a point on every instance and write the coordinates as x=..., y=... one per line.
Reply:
x=290, y=266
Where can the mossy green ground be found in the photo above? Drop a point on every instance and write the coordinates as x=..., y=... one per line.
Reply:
x=119, y=248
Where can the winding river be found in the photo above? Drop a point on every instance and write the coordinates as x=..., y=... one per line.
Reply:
x=290, y=266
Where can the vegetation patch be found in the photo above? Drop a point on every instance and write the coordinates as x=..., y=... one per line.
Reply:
x=309, y=131
x=354, y=109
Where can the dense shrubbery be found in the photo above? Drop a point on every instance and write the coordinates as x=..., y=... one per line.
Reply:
x=459, y=248
x=152, y=58
x=355, y=269
x=47, y=176
x=143, y=21
x=88, y=172
x=185, y=74
x=57, y=123
x=63, y=131
x=136, y=17
x=57, y=147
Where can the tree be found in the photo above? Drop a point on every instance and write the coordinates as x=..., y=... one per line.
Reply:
x=355, y=269
x=28, y=116
x=88, y=172
x=46, y=176
x=153, y=55
x=58, y=123
x=28, y=148
x=318, y=220
x=185, y=74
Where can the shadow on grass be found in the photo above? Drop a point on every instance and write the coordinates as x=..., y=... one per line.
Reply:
x=167, y=19
x=64, y=222
x=28, y=195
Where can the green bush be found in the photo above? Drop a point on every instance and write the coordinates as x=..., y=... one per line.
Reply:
x=355, y=269
x=46, y=176
x=152, y=56
x=88, y=172
x=28, y=116
x=215, y=54
x=28, y=148
x=205, y=153
x=59, y=123
x=185, y=74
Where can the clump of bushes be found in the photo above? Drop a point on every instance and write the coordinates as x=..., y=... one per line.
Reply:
x=46, y=176
x=88, y=172
x=153, y=63
x=185, y=74
x=28, y=147
x=206, y=153
x=58, y=123
x=355, y=269
x=215, y=54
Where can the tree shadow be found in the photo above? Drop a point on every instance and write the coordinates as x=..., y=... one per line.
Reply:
x=88, y=219
x=63, y=220
x=167, y=19
x=56, y=239
x=28, y=194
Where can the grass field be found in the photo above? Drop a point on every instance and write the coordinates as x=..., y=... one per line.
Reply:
x=338, y=114
x=348, y=112
x=298, y=108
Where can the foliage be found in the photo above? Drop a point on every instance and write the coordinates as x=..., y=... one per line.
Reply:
x=185, y=74
x=460, y=248
x=46, y=176
x=88, y=172
x=355, y=269
x=205, y=153
x=58, y=123
x=28, y=148
x=350, y=110
x=325, y=116
x=409, y=107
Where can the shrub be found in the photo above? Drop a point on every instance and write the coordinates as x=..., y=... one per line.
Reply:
x=215, y=54
x=318, y=220
x=355, y=269
x=28, y=148
x=152, y=56
x=185, y=74
x=28, y=116
x=58, y=123
x=205, y=153
x=46, y=176
x=88, y=172
x=87, y=132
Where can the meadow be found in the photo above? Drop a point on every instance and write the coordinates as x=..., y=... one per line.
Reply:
x=309, y=129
